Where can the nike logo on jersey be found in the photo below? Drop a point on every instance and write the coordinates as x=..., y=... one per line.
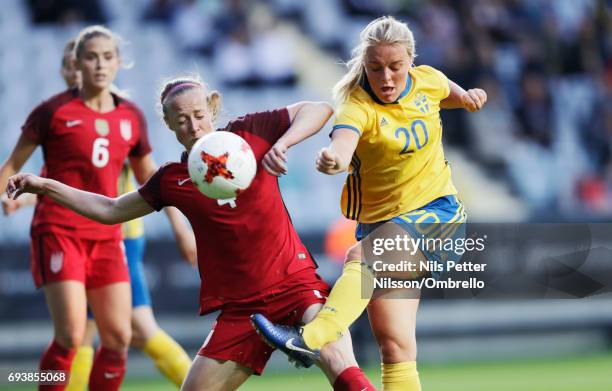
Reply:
x=289, y=345
x=181, y=182
x=111, y=375
x=72, y=123
x=230, y=201
x=383, y=122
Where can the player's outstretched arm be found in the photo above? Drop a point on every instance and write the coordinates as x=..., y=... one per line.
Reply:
x=472, y=100
x=97, y=207
x=336, y=157
x=306, y=118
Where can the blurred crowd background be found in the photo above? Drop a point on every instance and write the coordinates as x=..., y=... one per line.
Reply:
x=542, y=148
x=540, y=151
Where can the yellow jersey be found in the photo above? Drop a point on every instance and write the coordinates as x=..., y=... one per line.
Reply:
x=134, y=228
x=398, y=165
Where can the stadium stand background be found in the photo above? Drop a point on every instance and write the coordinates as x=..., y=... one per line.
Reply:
x=540, y=151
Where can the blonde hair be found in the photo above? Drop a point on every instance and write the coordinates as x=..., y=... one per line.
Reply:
x=78, y=44
x=179, y=85
x=92, y=32
x=384, y=30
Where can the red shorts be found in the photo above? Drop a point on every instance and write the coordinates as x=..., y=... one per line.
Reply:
x=96, y=263
x=233, y=336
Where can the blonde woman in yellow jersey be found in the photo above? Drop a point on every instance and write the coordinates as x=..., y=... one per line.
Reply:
x=388, y=135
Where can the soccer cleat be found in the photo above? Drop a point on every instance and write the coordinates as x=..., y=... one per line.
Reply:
x=288, y=339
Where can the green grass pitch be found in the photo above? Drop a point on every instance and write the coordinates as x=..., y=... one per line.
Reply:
x=590, y=373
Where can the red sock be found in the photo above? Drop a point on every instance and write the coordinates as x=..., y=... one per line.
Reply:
x=56, y=358
x=108, y=370
x=353, y=379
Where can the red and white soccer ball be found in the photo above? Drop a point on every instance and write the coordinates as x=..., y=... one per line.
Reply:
x=221, y=165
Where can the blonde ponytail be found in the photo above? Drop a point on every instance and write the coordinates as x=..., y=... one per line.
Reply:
x=351, y=79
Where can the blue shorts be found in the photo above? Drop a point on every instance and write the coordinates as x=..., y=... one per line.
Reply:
x=443, y=218
x=134, y=251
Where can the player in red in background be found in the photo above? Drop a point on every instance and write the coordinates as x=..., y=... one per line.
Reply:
x=86, y=135
x=250, y=256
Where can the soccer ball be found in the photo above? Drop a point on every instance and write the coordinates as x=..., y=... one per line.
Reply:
x=221, y=165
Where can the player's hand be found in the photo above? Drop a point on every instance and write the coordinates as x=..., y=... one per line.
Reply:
x=327, y=161
x=275, y=160
x=9, y=206
x=474, y=99
x=24, y=183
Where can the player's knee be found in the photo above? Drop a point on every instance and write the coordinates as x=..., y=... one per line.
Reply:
x=353, y=253
x=337, y=356
x=116, y=338
x=144, y=326
x=398, y=349
x=69, y=338
x=138, y=339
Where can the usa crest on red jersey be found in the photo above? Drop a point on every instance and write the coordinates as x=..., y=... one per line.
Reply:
x=101, y=126
x=125, y=127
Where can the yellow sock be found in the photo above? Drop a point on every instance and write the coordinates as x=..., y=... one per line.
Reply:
x=347, y=300
x=80, y=369
x=168, y=356
x=400, y=377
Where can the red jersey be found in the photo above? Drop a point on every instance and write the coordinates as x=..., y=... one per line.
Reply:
x=243, y=248
x=84, y=149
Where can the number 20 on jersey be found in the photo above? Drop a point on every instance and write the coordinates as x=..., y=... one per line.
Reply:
x=417, y=135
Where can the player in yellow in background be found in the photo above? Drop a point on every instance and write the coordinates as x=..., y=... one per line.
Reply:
x=388, y=135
